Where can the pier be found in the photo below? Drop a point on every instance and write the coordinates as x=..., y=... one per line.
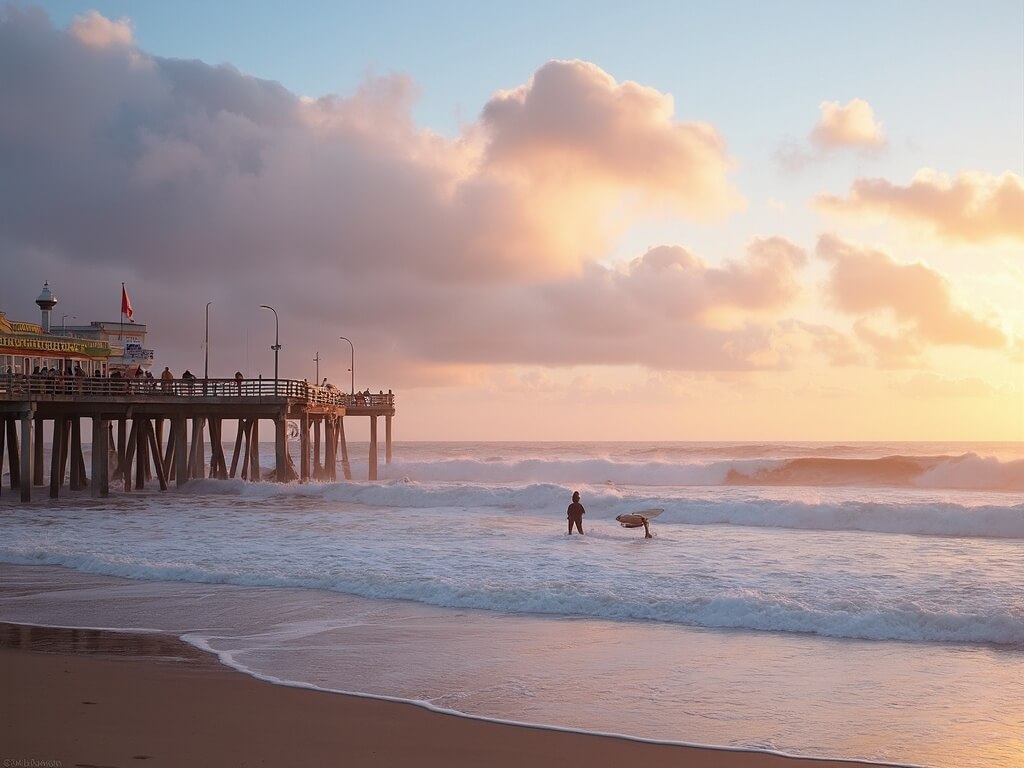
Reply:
x=145, y=429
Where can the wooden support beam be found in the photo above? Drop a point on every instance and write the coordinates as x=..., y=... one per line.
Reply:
x=65, y=448
x=129, y=455
x=56, y=449
x=100, y=478
x=3, y=439
x=214, y=467
x=373, y=447
x=144, y=451
x=13, y=457
x=111, y=454
x=141, y=451
x=180, y=450
x=304, y=447
x=254, y=450
x=142, y=472
x=281, y=448
x=215, y=447
x=38, y=461
x=197, y=455
x=78, y=455
x=387, y=439
x=122, y=450
x=238, y=446
x=158, y=422
x=318, y=472
x=157, y=458
x=330, y=442
x=346, y=468
x=26, y=457
x=169, y=451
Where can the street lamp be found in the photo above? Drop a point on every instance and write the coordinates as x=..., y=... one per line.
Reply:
x=316, y=381
x=352, y=366
x=63, y=327
x=206, y=368
x=277, y=343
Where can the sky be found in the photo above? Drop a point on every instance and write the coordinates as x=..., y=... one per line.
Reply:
x=542, y=221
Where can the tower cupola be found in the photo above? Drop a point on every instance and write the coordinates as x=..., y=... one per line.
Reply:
x=46, y=302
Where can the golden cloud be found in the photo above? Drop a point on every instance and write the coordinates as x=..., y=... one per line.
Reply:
x=975, y=207
x=573, y=126
x=871, y=284
x=851, y=126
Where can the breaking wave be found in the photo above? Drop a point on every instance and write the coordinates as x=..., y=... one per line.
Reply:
x=966, y=471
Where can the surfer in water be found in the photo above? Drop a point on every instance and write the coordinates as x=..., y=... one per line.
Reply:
x=575, y=513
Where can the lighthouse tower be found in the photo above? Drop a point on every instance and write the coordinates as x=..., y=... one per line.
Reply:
x=46, y=302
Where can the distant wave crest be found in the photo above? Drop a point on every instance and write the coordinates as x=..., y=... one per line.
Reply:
x=968, y=471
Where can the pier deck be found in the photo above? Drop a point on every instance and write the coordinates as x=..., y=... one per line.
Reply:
x=139, y=409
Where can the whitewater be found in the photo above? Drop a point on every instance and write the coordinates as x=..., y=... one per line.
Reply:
x=843, y=600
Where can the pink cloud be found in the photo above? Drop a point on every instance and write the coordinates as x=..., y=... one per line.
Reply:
x=870, y=284
x=975, y=207
x=96, y=31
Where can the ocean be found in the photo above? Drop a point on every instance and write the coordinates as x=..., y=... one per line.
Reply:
x=846, y=600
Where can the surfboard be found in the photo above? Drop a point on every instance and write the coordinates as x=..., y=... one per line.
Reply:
x=636, y=519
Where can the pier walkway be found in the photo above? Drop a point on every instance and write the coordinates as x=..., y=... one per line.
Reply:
x=194, y=409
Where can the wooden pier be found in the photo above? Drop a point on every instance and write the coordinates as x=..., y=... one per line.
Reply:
x=131, y=446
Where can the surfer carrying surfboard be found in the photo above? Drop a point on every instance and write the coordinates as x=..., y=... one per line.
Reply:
x=575, y=513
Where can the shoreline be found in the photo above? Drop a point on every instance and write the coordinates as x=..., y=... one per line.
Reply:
x=105, y=697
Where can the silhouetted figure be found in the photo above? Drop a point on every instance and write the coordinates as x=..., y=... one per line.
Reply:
x=575, y=513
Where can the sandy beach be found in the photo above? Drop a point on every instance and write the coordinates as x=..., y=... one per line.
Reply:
x=91, y=698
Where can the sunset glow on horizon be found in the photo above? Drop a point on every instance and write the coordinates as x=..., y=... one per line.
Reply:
x=646, y=228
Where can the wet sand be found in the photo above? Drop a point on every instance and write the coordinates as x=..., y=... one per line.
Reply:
x=96, y=698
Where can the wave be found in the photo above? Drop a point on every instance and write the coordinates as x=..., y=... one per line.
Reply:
x=748, y=609
x=604, y=503
x=967, y=471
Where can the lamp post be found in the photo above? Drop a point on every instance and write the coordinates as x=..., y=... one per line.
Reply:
x=352, y=365
x=63, y=327
x=206, y=365
x=316, y=381
x=277, y=343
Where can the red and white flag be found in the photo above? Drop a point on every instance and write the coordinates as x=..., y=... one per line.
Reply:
x=126, y=304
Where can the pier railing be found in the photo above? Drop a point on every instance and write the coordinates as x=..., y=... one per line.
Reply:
x=33, y=386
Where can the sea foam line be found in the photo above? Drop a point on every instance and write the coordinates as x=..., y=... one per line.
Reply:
x=743, y=609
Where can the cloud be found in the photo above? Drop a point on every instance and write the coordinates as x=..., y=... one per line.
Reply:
x=574, y=124
x=974, y=208
x=917, y=299
x=840, y=128
x=851, y=126
x=96, y=31
x=198, y=183
x=661, y=310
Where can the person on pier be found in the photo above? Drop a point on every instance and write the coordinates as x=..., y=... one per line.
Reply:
x=575, y=513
